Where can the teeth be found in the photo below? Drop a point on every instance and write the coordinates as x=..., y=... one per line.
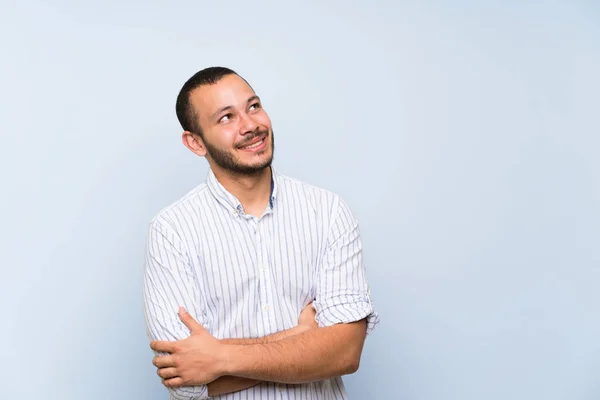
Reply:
x=254, y=145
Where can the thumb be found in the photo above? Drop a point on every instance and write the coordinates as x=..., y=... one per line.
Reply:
x=189, y=321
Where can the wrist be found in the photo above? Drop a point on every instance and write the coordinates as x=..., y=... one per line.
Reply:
x=226, y=357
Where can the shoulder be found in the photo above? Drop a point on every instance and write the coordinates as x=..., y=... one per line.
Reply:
x=175, y=216
x=318, y=197
x=299, y=187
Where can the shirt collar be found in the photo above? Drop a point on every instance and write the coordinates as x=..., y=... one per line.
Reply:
x=229, y=200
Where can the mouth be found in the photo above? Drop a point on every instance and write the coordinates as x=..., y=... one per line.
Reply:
x=256, y=144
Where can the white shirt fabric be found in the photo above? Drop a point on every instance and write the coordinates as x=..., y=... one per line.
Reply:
x=245, y=277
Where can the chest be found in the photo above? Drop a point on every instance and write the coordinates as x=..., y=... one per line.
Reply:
x=248, y=266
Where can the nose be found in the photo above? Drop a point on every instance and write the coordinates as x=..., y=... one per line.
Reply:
x=247, y=124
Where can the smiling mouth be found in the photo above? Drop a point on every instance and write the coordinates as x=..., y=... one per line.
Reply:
x=252, y=146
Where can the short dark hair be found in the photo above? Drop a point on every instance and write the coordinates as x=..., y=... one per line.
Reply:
x=183, y=107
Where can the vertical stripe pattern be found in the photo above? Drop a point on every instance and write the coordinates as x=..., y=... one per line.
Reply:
x=247, y=277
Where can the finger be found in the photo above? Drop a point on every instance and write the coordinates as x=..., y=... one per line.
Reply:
x=173, y=382
x=167, y=373
x=162, y=346
x=163, y=361
x=189, y=321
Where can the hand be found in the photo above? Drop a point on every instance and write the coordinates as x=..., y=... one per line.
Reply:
x=197, y=360
x=307, y=317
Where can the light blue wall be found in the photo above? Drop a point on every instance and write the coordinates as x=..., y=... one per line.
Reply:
x=465, y=137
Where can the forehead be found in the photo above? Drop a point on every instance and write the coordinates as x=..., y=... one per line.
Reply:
x=231, y=90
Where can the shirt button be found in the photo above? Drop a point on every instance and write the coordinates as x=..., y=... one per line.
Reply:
x=264, y=268
x=266, y=307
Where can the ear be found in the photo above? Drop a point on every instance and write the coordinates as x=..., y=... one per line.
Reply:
x=193, y=142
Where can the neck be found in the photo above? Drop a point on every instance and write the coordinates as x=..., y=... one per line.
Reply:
x=253, y=191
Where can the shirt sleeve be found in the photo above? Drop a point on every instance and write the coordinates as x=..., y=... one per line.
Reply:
x=343, y=294
x=170, y=282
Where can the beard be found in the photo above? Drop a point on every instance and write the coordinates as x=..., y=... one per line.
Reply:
x=227, y=160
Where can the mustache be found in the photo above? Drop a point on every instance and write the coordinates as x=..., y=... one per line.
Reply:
x=253, y=136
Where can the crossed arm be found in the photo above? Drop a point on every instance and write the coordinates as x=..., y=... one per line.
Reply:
x=229, y=383
x=293, y=356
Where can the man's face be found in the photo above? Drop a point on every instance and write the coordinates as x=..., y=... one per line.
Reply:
x=237, y=132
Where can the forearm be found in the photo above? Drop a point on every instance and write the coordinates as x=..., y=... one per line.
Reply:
x=310, y=356
x=230, y=384
x=270, y=338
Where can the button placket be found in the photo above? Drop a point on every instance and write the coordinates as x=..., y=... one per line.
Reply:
x=262, y=266
x=270, y=293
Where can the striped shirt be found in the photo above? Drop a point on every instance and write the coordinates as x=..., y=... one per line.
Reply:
x=241, y=276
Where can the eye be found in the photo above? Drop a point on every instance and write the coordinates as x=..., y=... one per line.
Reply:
x=225, y=118
x=255, y=106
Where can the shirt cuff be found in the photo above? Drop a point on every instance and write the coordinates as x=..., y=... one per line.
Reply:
x=346, y=309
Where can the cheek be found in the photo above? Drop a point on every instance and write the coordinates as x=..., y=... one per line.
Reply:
x=224, y=137
x=263, y=119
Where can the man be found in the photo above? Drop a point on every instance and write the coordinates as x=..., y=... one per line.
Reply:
x=254, y=285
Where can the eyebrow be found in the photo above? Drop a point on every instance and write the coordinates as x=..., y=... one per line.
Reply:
x=226, y=108
x=251, y=99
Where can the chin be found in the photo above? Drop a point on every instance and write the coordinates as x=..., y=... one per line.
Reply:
x=262, y=164
x=258, y=158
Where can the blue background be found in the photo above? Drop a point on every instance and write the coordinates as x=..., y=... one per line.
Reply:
x=464, y=135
